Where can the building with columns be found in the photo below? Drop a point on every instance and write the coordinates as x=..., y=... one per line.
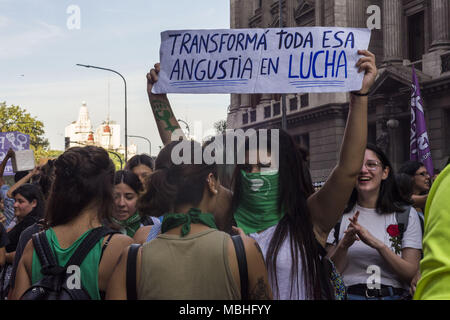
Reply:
x=413, y=32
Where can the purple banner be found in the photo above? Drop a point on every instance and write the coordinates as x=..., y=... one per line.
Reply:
x=14, y=140
x=419, y=142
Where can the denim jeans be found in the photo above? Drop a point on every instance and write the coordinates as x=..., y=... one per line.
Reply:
x=358, y=297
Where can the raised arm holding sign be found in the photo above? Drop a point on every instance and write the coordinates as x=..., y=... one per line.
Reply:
x=165, y=121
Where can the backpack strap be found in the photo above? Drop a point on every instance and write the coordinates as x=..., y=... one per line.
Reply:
x=43, y=250
x=88, y=243
x=105, y=245
x=146, y=221
x=242, y=263
x=402, y=218
x=131, y=271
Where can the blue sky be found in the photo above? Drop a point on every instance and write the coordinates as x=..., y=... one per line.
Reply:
x=38, y=53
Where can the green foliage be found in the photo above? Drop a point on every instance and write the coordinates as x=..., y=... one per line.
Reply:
x=220, y=126
x=115, y=159
x=14, y=118
x=43, y=153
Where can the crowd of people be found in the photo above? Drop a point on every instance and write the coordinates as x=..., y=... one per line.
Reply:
x=76, y=229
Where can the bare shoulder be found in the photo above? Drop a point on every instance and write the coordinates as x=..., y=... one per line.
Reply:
x=119, y=241
x=28, y=248
x=141, y=234
x=27, y=255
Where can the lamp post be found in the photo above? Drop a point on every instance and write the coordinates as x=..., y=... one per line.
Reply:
x=187, y=126
x=148, y=140
x=126, y=125
x=283, y=96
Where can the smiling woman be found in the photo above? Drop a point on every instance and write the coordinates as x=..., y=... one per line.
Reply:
x=28, y=209
x=372, y=233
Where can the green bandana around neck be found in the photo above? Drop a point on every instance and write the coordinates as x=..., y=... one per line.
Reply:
x=173, y=220
x=131, y=225
x=258, y=209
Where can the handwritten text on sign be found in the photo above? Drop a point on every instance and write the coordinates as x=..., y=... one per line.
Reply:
x=288, y=60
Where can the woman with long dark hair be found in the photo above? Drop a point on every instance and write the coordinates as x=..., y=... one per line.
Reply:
x=80, y=201
x=190, y=259
x=290, y=223
x=370, y=234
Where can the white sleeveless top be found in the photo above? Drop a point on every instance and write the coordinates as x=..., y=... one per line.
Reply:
x=284, y=266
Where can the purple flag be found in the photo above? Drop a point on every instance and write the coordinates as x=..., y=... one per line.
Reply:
x=419, y=142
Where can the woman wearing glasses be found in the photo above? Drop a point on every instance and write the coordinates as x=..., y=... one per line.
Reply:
x=376, y=260
x=421, y=182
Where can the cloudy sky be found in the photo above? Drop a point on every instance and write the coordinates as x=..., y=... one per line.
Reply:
x=40, y=45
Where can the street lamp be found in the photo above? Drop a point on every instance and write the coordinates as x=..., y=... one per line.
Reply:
x=187, y=126
x=126, y=126
x=283, y=96
x=150, y=144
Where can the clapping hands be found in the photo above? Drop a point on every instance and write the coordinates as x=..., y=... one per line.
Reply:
x=363, y=234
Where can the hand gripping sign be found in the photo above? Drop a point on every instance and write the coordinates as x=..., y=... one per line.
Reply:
x=286, y=60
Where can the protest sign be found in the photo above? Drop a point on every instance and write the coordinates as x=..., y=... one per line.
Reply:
x=275, y=60
x=15, y=140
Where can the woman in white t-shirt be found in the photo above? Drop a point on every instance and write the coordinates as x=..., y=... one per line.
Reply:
x=375, y=260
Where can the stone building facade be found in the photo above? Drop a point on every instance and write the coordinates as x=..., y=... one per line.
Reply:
x=413, y=32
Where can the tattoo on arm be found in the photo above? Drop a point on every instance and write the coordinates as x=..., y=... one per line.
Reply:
x=259, y=292
x=163, y=113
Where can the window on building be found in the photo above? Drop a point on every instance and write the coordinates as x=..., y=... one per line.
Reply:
x=293, y=104
x=245, y=118
x=304, y=14
x=253, y=116
x=416, y=36
x=267, y=112
x=276, y=109
x=445, y=62
x=304, y=100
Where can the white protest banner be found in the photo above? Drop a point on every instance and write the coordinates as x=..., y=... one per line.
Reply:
x=286, y=60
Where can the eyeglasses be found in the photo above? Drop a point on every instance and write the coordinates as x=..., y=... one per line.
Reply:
x=372, y=165
x=423, y=174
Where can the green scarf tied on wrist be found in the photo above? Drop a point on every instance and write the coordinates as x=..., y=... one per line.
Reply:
x=173, y=220
x=258, y=209
x=131, y=225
